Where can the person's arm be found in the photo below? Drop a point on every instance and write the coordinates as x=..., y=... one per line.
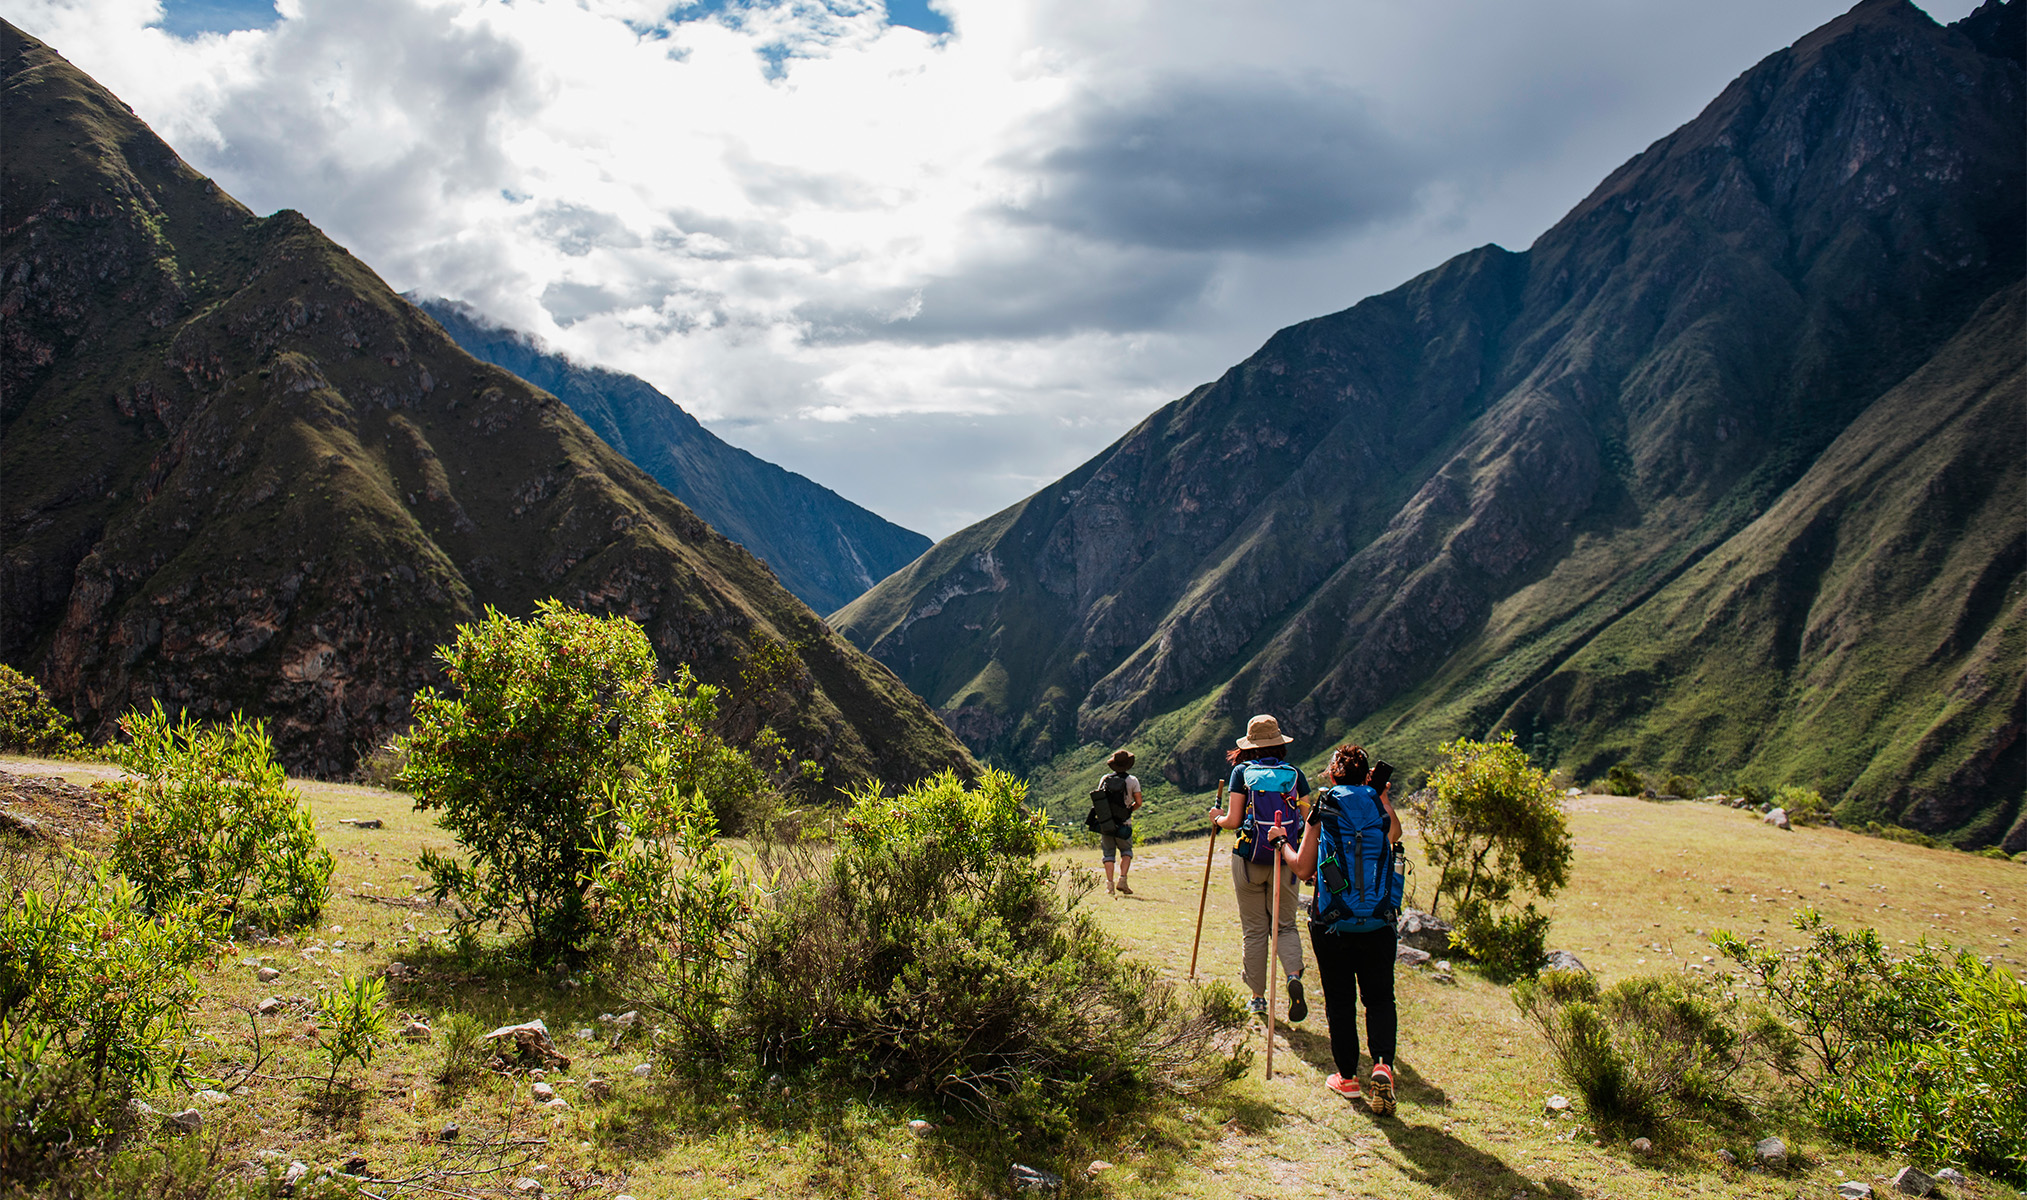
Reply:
x=1304, y=858
x=1393, y=818
x=1234, y=814
x=1134, y=799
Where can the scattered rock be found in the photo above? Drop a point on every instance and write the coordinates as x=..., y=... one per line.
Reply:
x=1563, y=960
x=1028, y=1179
x=269, y=974
x=644, y=1070
x=559, y=1104
x=187, y=1121
x=294, y=1175
x=530, y=1044
x=1852, y=1189
x=1408, y=956
x=362, y=822
x=1913, y=1182
x=1776, y=817
x=415, y=1031
x=528, y=1187
x=449, y=1133
x=212, y=1096
x=597, y=1089
x=543, y=1093
x=1556, y=1104
x=1098, y=1166
x=139, y=1108
x=269, y=1006
x=920, y=1126
x=1771, y=1153
x=1727, y=1158
x=397, y=971
x=1424, y=932
x=355, y=1165
x=1642, y=1146
x=1951, y=1176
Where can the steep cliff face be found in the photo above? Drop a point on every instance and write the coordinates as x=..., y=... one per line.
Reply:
x=242, y=473
x=1396, y=522
x=824, y=548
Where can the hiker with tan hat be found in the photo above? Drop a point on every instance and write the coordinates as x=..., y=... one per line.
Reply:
x=1263, y=791
x=1113, y=803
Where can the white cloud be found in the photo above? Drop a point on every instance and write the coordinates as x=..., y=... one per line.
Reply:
x=930, y=272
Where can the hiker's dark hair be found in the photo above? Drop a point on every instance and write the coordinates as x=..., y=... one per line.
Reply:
x=1249, y=753
x=1347, y=762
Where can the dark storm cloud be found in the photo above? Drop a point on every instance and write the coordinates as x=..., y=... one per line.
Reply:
x=1235, y=164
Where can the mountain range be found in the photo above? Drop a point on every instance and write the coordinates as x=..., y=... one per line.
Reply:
x=1721, y=476
x=241, y=473
x=825, y=549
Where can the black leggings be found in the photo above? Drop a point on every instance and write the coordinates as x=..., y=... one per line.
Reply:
x=1347, y=964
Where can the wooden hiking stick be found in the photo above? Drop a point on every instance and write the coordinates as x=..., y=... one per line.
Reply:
x=1273, y=958
x=1203, y=896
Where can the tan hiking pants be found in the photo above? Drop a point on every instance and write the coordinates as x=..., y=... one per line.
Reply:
x=1253, y=884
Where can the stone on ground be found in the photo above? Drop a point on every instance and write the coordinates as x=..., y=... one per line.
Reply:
x=1913, y=1182
x=1771, y=1153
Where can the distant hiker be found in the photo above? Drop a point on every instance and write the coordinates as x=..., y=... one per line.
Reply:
x=1261, y=788
x=1349, y=848
x=1113, y=803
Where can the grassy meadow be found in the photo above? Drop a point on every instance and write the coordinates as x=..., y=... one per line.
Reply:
x=1651, y=881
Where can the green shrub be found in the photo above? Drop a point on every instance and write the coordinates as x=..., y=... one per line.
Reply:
x=461, y=1044
x=1924, y=1055
x=1650, y=1050
x=350, y=1023
x=1687, y=786
x=212, y=819
x=94, y=999
x=382, y=767
x=1804, y=806
x=933, y=954
x=1507, y=944
x=1623, y=780
x=1898, y=833
x=29, y=724
x=557, y=724
x=1493, y=827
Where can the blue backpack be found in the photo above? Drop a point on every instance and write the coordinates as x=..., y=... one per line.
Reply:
x=1270, y=789
x=1358, y=881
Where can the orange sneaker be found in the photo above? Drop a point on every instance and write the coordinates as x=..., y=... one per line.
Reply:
x=1381, y=1093
x=1347, y=1088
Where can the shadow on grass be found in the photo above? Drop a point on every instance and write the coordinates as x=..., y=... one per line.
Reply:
x=1409, y=1084
x=1448, y=1163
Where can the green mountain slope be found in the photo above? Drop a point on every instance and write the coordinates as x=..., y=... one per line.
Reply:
x=242, y=473
x=1396, y=522
x=824, y=548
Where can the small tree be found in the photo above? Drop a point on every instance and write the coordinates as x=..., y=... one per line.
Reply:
x=1494, y=828
x=29, y=724
x=211, y=817
x=556, y=722
x=350, y=1024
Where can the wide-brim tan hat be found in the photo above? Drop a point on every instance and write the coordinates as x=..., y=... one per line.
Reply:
x=1261, y=732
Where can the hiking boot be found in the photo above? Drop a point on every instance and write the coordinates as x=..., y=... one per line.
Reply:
x=1298, y=1007
x=1381, y=1093
x=1124, y=888
x=1347, y=1088
x=1258, y=1007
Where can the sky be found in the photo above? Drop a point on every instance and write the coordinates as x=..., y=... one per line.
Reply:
x=932, y=254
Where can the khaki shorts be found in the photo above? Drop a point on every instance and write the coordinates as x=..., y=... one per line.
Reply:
x=1115, y=844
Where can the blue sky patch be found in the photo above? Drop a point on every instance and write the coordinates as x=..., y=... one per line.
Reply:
x=915, y=14
x=188, y=18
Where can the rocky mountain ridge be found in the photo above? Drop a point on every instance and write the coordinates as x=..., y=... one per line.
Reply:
x=242, y=473
x=825, y=549
x=1446, y=509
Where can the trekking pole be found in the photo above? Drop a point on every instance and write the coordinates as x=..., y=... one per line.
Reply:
x=1203, y=896
x=1273, y=957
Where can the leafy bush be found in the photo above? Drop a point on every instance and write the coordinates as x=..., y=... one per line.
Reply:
x=1686, y=786
x=1623, y=780
x=350, y=1023
x=94, y=998
x=382, y=767
x=1924, y=1055
x=1804, y=806
x=29, y=724
x=1652, y=1049
x=1507, y=944
x=558, y=724
x=934, y=954
x=212, y=819
x=461, y=1042
x=1493, y=827
x=1898, y=833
